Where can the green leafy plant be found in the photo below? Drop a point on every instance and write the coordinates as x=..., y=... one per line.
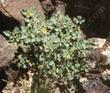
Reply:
x=55, y=47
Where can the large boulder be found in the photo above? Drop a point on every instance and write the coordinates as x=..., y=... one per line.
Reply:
x=12, y=8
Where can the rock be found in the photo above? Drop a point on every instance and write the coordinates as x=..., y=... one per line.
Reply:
x=106, y=74
x=47, y=6
x=7, y=52
x=12, y=8
x=95, y=86
x=11, y=89
x=60, y=6
x=99, y=42
x=101, y=53
x=52, y=7
x=107, y=54
x=83, y=80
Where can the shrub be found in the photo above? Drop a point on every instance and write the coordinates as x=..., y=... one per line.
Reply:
x=55, y=47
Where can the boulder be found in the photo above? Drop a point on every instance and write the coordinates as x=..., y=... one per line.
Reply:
x=12, y=8
x=7, y=52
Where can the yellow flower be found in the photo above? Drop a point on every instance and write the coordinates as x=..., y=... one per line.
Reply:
x=68, y=57
x=45, y=30
x=30, y=14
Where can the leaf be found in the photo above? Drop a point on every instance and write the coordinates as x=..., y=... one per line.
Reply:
x=7, y=33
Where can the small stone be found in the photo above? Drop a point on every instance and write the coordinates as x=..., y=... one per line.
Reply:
x=82, y=80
